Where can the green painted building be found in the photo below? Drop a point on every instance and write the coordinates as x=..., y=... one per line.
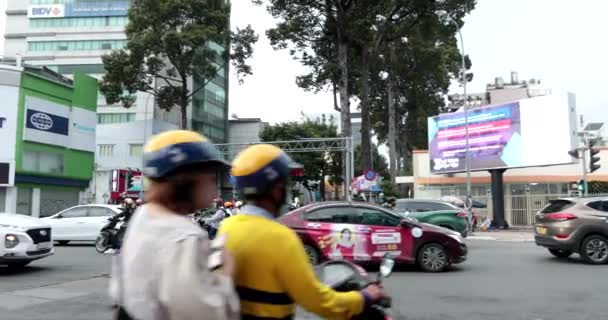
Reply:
x=49, y=126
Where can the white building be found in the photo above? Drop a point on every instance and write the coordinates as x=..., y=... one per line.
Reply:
x=70, y=36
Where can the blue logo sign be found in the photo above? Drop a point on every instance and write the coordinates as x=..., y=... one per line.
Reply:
x=47, y=122
x=47, y=11
x=370, y=175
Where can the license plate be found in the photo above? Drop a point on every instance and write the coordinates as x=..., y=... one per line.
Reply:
x=44, y=245
x=541, y=230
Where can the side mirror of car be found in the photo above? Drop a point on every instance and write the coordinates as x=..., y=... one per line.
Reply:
x=408, y=223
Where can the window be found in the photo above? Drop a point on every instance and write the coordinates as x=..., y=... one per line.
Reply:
x=333, y=215
x=136, y=150
x=77, y=22
x=76, y=45
x=44, y=162
x=100, y=212
x=108, y=118
x=598, y=205
x=75, y=213
x=106, y=150
x=373, y=217
x=557, y=206
x=84, y=68
x=423, y=206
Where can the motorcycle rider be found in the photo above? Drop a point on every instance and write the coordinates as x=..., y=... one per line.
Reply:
x=164, y=271
x=213, y=222
x=273, y=272
x=229, y=207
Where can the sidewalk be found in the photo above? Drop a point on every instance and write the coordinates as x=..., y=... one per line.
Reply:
x=503, y=235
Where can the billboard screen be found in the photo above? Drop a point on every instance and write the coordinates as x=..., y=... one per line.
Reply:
x=530, y=132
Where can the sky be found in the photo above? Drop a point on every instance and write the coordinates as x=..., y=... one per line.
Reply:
x=560, y=42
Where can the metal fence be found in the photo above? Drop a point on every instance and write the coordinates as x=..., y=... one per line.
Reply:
x=519, y=209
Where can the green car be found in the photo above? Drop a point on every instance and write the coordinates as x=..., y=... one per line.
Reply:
x=439, y=213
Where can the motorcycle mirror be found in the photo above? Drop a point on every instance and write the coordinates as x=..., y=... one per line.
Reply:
x=387, y=264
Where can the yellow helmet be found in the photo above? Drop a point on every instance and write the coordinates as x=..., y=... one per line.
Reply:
x=256, y=168
x=171, y=150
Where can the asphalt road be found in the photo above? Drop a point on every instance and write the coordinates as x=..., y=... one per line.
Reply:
x=501, y=280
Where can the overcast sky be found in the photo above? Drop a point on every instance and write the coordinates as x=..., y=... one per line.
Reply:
x=561, y=42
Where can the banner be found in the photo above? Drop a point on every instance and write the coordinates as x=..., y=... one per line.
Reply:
x=8, y=133
x=82, y=129
x=79, y=9
x=46, y=122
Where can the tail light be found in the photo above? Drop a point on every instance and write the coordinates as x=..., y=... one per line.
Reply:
x=461, y=214
x=560, y=216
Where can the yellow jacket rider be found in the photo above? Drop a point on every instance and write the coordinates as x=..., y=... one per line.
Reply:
x=272, y=272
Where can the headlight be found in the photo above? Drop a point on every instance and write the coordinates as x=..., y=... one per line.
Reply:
x=11, y=241
x=12, y=227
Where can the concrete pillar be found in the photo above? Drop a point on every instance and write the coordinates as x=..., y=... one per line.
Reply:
x=11, y=200
x=36, y=202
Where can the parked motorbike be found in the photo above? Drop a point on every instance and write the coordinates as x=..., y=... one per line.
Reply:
x=346, y=276
x=112, y=234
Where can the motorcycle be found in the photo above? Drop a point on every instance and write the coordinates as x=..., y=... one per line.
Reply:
x=112, y=234
x=344, y=276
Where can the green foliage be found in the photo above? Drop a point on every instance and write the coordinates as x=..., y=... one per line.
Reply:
x=170, y=41
x=316, y=164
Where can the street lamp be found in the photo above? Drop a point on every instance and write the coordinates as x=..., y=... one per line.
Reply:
x=465, y=105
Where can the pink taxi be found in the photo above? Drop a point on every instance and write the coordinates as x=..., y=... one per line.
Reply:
x=364, y=233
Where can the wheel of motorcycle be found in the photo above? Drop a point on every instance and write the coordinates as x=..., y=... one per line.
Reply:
x=433, y=258
x=313, y=254
x=102, y=244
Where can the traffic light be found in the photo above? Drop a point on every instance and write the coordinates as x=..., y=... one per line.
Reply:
x=574, y=153
x=594, y=158
x=581, y=185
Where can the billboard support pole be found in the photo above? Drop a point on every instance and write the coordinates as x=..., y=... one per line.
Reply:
x=498, y=198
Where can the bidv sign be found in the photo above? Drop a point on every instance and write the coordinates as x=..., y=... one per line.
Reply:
x=46, y=11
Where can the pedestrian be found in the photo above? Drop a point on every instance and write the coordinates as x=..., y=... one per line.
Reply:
x=165, y=270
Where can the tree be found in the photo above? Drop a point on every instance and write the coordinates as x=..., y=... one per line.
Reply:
x=173, y=41
x=427, y=62
x=320, y=34
x=316, y=165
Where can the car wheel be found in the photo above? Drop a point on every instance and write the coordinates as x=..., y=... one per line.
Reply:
x=313, y=254
x=63, y=243
x=560, y=253
x=594, y=249
x=433, y=258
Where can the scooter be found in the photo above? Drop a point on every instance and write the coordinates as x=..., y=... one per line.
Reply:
x=346, y=276
x=111, y=235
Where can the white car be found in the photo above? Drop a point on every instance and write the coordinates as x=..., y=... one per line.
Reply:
x=80, y=223
x=23, y=239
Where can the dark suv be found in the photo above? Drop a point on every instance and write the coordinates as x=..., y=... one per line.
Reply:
x=575, y=225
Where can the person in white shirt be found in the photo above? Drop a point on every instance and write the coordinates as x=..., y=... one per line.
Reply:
x=167, y=270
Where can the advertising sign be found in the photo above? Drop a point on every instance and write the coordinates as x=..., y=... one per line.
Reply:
x=8, y=133
x=46, y=11
x=79, y=9
x=82, y=129
x=510, y=135
x=46, y=122
x=367, y=182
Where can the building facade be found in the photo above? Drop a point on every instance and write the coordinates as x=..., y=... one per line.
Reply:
x=70, y=36
x=246, y=130
x=48, y=131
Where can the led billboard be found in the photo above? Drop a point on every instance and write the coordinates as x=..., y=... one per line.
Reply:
x=526, y=133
